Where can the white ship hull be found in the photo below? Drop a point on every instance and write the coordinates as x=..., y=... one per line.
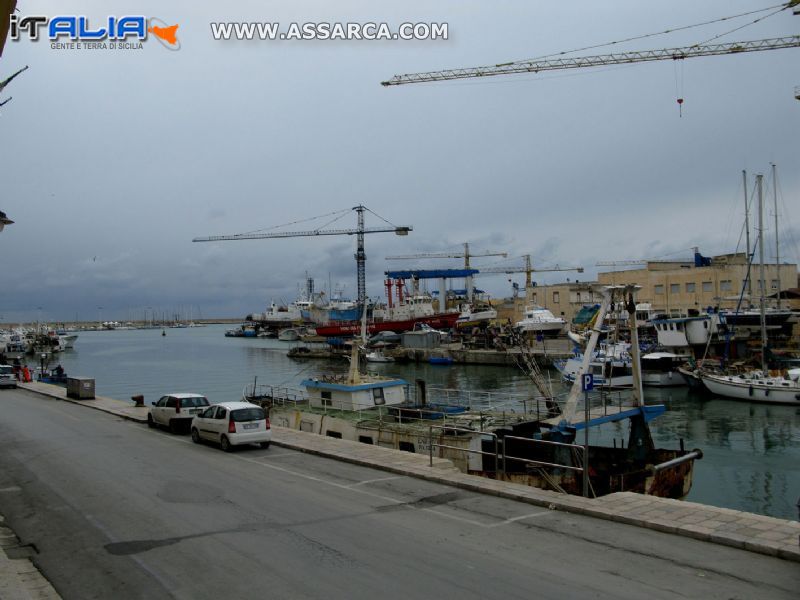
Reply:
x=773, y=390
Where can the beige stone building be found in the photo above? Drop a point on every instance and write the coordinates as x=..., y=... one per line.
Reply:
x=675, y=288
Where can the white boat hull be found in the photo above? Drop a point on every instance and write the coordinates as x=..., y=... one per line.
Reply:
x=753, y=390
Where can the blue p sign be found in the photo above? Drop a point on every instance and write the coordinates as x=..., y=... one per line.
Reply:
x=587, y=382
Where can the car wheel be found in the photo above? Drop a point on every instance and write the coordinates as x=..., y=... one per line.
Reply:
x=150, y=422
x=265, y=445
x=225, y=443
x=195, y=435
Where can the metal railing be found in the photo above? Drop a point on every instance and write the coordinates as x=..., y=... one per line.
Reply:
x=499, y=454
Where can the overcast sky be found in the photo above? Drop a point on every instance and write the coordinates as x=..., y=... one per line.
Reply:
x=113, y=161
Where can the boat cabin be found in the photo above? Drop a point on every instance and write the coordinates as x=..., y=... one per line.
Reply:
x=341, y=395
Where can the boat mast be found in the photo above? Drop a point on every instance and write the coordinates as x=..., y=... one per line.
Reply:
x=777, y=248
x=762, y=300
x=747, y=235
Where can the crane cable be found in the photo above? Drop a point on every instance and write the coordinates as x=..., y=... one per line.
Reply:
x=338, y=212
x=782, y=6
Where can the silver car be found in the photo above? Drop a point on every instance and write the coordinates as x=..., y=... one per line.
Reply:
x=231, y=424
x=176, y=411
x=7, y=379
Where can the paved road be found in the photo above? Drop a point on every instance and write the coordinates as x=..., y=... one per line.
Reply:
x=119, y=511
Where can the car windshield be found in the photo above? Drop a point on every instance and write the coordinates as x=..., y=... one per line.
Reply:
x=6, y=370
x=248, y=414
x=194, y=402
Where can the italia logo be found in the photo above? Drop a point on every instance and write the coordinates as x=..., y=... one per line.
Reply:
x=130, y=28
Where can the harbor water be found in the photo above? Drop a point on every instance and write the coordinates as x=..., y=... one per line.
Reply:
x=751, y=451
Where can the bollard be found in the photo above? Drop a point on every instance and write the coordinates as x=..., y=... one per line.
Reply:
x=138, y=399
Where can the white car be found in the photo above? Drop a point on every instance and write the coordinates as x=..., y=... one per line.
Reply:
x=7, y=377
x=231, y=424
x=176, y=411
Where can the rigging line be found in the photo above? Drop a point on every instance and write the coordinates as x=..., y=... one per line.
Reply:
x=784, y=5
x=380, y=217
x=753, y=22
x=324, y=225
x=346, y=210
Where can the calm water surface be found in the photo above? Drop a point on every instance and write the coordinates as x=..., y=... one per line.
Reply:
x=751, y=452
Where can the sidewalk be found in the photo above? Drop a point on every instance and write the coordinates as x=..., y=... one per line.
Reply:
x=748, y=531
x=19, y=578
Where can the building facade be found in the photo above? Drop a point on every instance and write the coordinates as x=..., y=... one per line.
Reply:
x=676, y=288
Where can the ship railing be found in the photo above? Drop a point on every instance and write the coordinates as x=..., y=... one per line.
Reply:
x=499, y=451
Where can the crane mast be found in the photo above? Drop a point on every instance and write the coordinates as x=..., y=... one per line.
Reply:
x=581, y=62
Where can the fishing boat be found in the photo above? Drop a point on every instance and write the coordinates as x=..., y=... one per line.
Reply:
x=540, y=321
x=660, y=369
x=377, y=356
x=406, y=317
x=469, y=316
x=290, y=334
x=610, y=366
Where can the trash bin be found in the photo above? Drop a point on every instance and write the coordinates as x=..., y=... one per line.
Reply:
x=80, y=388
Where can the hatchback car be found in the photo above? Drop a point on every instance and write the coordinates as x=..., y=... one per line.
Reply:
x=176, y=411
x=231, y=424
x=7, y=378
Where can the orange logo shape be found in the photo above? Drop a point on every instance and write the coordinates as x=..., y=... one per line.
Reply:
x=166, y=35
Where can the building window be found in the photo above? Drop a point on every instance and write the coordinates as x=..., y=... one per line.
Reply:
x=674, y=288
x=533, y=297
x=776, y=284
x=326, y=398
x=365, y=439
x=725, y=285
x=658, y=289
x=405, y=446
x=556, y=299
x=334, y=434
x=707, y=286
x=690, y=288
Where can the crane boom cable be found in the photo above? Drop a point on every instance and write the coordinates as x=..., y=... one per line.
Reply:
x=598, y=60
x=784, y=5
x=342, y=212
x=753, y=22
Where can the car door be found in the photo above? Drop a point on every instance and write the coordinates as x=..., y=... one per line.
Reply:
x=158, y=411
x=204, y=423
x=170, y=408
x=220, y=425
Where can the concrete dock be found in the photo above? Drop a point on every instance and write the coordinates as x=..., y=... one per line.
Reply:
x=751, y=532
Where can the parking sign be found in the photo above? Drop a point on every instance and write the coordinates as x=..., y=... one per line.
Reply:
x=587, y=382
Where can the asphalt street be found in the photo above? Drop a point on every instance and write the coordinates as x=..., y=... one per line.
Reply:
x=115, y=510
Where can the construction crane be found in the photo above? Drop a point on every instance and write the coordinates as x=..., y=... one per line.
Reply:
x=466, y=255
x=359, y=232
x=528, y=270
x=581, y=62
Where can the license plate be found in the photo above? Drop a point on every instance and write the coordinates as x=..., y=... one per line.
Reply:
x=250, y=426
x=195, y=411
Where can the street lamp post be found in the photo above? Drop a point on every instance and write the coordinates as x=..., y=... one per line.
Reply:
x=41, y=370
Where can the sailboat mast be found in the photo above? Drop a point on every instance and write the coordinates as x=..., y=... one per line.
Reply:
x=761, y=284
x=777, y=246
x=747, y=234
